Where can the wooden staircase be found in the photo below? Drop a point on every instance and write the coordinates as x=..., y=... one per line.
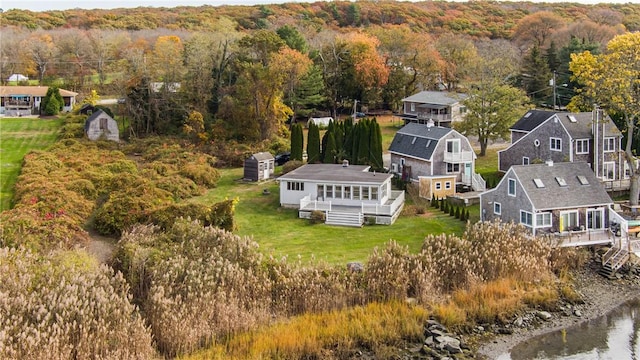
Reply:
x=612, y=261
x=344, y=218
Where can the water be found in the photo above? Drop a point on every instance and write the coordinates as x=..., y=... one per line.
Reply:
x=614, y=336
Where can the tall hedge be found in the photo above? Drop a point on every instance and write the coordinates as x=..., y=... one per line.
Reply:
x=313, y=144
x=297, y=142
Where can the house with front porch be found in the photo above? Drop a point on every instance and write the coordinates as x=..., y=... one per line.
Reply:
x=438, y=158
x=440, y=107
x=348, y=195
x=590, y=137
x=25, y=100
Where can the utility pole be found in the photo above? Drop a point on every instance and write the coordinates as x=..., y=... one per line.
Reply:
x=554, y=90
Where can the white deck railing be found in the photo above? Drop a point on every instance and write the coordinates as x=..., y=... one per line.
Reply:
x=308, y=204
x=377, y=209
x=456, y=157
x=478, y=183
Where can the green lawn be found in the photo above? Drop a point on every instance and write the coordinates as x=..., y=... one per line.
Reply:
x=280, y=232
x=487, y=166
x=17, y=137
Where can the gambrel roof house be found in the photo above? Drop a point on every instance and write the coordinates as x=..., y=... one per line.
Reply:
x=25, y=100
x=442, y=108
x=438, y=158
x=347, y=194
x=561, y=199
x=541, y=136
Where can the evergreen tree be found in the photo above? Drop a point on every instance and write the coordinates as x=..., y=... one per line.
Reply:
x=457, y=214
x=553, y=61
x=364, y=148
x=329, y=152
x=52, y=102
x=313, y=144
x=297, y=142
x=375, y=156
x=536, y=76
x=451, y=210
x=434, y=201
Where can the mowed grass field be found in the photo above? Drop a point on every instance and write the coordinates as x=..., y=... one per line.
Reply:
x=280, y=232
x=18, y=136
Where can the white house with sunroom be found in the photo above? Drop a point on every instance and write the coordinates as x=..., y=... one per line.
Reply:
x=348, y=195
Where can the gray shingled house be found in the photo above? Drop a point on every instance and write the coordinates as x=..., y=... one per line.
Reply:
x=541, y=135
x=100, y=125
x=565, y=200
x=259, y=166
x=438, y=158
x=440, y=107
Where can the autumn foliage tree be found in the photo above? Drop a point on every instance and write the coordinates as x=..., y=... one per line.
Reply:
x=612, y=80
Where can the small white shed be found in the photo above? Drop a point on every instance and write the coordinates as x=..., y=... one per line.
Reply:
x=259, y=166
x=321, y=121
x=100, y=124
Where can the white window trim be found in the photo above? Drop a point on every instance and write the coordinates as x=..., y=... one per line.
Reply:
x=558, y=141
x=585, y=146
x=453, y=141
x=609, y=144
x=604, y=167
x=412, y=106
x=499, y=208
x=527, y=213
x=438, y=185
x=542, y=224
x=453, y=170
x=525, y=160
x=571, y=212
x=447, y=185
x=509, y=187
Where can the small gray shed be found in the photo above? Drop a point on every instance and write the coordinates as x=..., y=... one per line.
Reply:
x=259, y=166
x=100, y=124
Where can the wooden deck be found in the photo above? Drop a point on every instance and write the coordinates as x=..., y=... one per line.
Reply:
x=584, y=238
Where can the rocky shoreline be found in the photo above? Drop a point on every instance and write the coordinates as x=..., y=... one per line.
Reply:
x=600, y=296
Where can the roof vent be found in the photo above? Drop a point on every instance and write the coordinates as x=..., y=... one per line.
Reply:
x=527, y=115
x=549, y=162
x=572, y=118
x=345, y=163
x=430, y=123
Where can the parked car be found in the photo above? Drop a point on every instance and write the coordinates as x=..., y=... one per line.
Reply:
x=282, y=158
x=360, y=115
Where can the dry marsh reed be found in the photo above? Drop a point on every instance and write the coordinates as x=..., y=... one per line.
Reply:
x=66, y=307
x=329, y=335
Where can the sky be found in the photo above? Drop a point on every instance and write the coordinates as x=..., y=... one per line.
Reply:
x=44, y=5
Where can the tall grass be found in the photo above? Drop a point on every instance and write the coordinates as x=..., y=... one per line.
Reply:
x=332, y=335
x=66, y=307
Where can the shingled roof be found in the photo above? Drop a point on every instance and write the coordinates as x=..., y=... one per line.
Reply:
x=436, y=97
x=564, y=185
x=336, y=173
x=578, y=129
x=417, y=140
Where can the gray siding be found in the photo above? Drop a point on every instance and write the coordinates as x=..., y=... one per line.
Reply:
x=510, y=205
x=526, y=147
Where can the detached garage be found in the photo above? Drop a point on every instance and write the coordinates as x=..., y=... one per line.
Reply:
x=259, y=166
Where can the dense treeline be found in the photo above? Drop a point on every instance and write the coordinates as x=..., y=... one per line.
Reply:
x=252, y=69
x=478, y=18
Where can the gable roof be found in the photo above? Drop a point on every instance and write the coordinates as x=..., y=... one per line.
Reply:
x=418, y=140
x=556, y=196
x=261, y=156
x=32, y=91
x=578, y=129
x=336, y=173
x=98, y=113
x=436, y=97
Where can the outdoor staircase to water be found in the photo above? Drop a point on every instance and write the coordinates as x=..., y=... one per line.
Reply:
x=612, y=261
x=344, y=218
